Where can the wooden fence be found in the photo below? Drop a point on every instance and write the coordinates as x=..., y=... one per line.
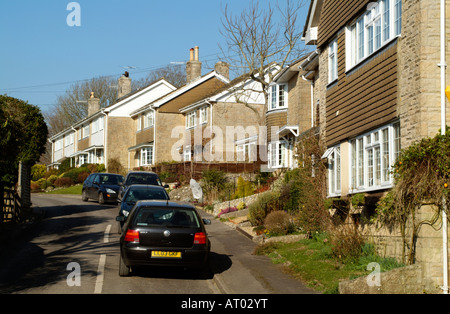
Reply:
x=10, y=206
x=195, y=169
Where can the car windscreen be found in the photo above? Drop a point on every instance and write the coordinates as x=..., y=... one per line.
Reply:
x=134, y=195
x=143, y=178
x=110, y=179
x=166, y=217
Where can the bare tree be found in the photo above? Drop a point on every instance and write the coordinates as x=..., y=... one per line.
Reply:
x=261, y=42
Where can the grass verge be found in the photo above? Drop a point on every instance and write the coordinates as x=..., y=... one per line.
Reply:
x=75, y=190
x=312, y=262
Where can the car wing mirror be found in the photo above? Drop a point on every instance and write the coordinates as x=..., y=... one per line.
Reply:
x=120, y=218
x=206, y=221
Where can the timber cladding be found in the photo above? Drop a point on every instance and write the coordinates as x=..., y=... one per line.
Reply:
x=364, y=98
x=335, y=15
x=277, y=118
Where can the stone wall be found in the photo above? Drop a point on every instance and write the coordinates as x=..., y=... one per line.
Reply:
x=389, y=243
x=405, y=280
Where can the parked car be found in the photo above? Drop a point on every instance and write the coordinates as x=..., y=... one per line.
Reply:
x=139, y=177
x=163, y=233
x=103, y=187
x=136, y=193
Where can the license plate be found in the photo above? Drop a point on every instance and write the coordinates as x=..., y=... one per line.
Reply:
x=166, y=254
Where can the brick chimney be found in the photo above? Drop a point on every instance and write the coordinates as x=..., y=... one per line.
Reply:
x=93, y=105
x=124, y=85
x=194, y=66
x=223, y=69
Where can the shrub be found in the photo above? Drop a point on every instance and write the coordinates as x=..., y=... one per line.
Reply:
x=114, y=166
x=244, y=188
x=52, y=178
x=241, y=206
x=227, y=210
x=346, y=243
x=82, y=177
x=213, y=179
x=278, y=222
x=35, y=186
x=73, y=174
x=63, y=182
x=264, y=204
x=38, y=172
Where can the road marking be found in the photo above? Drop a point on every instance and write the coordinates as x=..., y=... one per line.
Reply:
x=100, y=274
x=107, y=231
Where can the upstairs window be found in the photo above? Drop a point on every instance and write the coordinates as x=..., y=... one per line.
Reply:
x=332, y=62
x=190, y=120
x=381, y=23
x=149, y=120
x=278, y=97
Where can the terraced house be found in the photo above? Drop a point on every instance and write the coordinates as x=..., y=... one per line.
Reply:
x=376, y=85
x=105, y=133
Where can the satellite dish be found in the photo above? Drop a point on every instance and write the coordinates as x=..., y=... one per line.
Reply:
x=197, y=191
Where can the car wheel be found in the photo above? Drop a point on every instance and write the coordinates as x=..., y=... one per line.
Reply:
x=84, y=198
x=124, y=270
x=101, y=198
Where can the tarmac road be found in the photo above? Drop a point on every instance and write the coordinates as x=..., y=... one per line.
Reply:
x=75, y=250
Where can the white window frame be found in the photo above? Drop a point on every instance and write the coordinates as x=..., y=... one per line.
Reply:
x=187, y=153
x=278, y=154
x=203, y=115
x=334, y=171
x=59, y=144
x=332, y=62
x=86, y=129
x=139, y=123
x=149, y=120
x=278, y=96
x=146, y=156
x=372, y=156
x=384, y=17
x=191, y=119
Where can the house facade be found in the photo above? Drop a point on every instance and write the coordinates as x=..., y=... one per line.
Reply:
x=376, y=85
x=160, y=127
x=105, y=133
x=288, y=116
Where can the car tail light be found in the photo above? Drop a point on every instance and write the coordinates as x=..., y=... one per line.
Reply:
x=200, y=238
x=132, y=236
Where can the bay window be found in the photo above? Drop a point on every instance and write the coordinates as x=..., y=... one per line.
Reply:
x=372, y=156
x=147, y=156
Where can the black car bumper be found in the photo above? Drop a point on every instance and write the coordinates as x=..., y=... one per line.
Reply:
x=195, y=257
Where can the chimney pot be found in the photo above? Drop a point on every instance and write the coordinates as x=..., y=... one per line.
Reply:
x=194, y=66
x=196, y=53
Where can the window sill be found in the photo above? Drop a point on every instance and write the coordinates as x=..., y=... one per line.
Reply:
x=280, y=109
x=362, y=62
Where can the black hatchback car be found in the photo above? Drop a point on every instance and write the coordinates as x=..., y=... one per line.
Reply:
x=139, y=177
x=164, y=233
x=103, y=187
x=139, y=192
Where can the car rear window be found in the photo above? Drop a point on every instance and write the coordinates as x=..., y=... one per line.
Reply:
x=110, y=179
x=135, y=195
x=143, y=178
x=166, y=217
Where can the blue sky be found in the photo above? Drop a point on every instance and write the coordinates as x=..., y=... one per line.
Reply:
x=39, y=48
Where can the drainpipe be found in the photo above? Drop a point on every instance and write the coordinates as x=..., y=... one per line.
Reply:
x=154, y=136
x=105, y=138
x=312, y=99
x=211, y=123
x=443, y=66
